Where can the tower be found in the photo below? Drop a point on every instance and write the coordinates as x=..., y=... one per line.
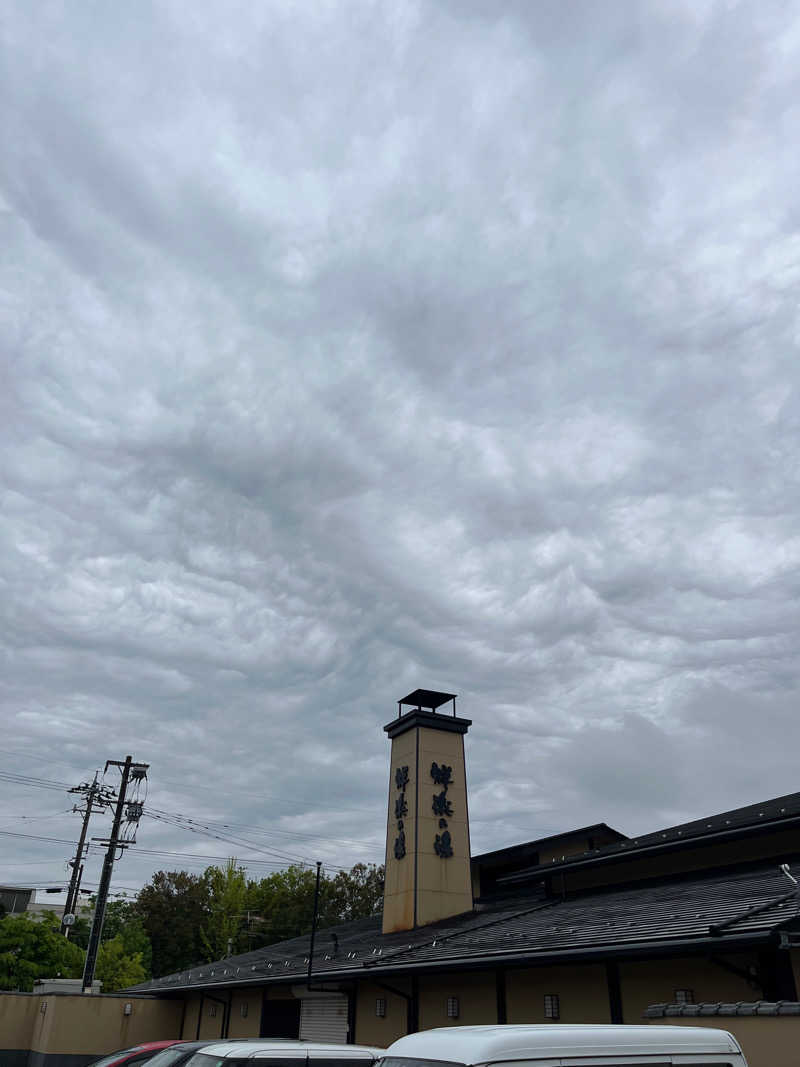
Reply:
x=427, y=833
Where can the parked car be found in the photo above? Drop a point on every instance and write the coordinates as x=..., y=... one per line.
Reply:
x=177, y=1055
x=133, y=1056
x=283, y=1053
x=573, y=1046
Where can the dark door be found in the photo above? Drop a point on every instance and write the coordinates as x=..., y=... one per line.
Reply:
x=280, y=1018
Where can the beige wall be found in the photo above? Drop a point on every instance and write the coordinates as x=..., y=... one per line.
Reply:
x=250, y=1025
x=398, y=893
x=443, y=886
x=767, y=1041
x=84, y=1025
x=190, y=1018
x=582, y=993
x=477, y=995
x=655, y=982
x=212, y=1016
x=17, y=1016
x=370, y=1030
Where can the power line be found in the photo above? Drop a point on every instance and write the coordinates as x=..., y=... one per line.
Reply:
x=49, y=784
x=205, y=829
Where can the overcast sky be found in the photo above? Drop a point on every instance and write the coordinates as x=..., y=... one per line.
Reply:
x=353, y=347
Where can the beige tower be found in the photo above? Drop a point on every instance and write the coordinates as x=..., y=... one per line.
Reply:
x=427, y=836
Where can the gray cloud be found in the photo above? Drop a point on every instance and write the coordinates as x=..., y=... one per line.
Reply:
x=347, y=349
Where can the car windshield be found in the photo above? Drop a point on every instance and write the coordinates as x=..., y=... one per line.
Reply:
x=170, y=1057
x=112, y=1057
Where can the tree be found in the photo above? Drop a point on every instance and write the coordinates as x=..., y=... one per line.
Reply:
x=31, y=949
x=284, y=902
x=222, y=933
x=124, y=921
x=116, y=968
x=354, y=894
x=173, y=908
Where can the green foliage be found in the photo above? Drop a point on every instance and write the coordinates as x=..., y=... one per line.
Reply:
x=189, y=918
x=222, y=934
x=354, y=894
x=31, y=949
x=79, y=932
x=173, y=909
x=284, y=903
x=116, y=968
x=123, y=921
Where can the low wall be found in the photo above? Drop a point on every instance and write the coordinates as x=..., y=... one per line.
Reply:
x=71, y=1030
x=767, y=1040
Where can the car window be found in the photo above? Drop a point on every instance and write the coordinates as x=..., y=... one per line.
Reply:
x=143, y=1057
x=112, y=1057
x=171, y=1057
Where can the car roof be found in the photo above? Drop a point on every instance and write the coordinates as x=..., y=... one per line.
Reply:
x=289, y=1047
x=490, y=1044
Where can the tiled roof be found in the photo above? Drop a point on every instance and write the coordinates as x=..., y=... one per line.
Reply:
x=752, y=1007
x=785, y=809
x=528, y=925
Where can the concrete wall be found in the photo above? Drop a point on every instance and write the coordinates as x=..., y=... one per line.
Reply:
x=655, y=982
x=189, y=1030
x=17, y=1016
x=248, y=1025
x=423, y=883
x=766, y=1040
x=371, y=1030
x=212, y=1016
x=477, y=997
x=582, y=993
x=62, y=1030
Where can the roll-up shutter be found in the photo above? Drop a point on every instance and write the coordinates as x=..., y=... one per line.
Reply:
x=324, y=1018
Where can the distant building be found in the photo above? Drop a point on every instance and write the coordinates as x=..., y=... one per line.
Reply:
x=15, y=899
x=18, y=900
x=584, y=926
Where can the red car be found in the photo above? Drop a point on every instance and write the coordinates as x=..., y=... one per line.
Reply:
x=132, y=1056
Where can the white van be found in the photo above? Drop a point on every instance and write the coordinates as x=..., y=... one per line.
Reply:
x=563, y=1045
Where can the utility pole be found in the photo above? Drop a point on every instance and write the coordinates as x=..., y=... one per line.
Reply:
x=94, y=794
x=137, y=772
x=314, y=920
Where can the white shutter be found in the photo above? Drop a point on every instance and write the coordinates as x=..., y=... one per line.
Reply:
x=324, y=1018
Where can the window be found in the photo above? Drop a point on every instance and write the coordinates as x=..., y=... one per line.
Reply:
x=452, y=1007
x=684, y=996
x=552, y=1007
x=380, y=1007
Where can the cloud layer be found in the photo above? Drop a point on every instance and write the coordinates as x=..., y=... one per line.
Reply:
x=348, y=349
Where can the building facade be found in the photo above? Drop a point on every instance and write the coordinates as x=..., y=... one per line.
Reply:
x=584, y=926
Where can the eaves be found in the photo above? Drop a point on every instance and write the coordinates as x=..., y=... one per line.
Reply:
x=656, y=848
x=501, y=957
